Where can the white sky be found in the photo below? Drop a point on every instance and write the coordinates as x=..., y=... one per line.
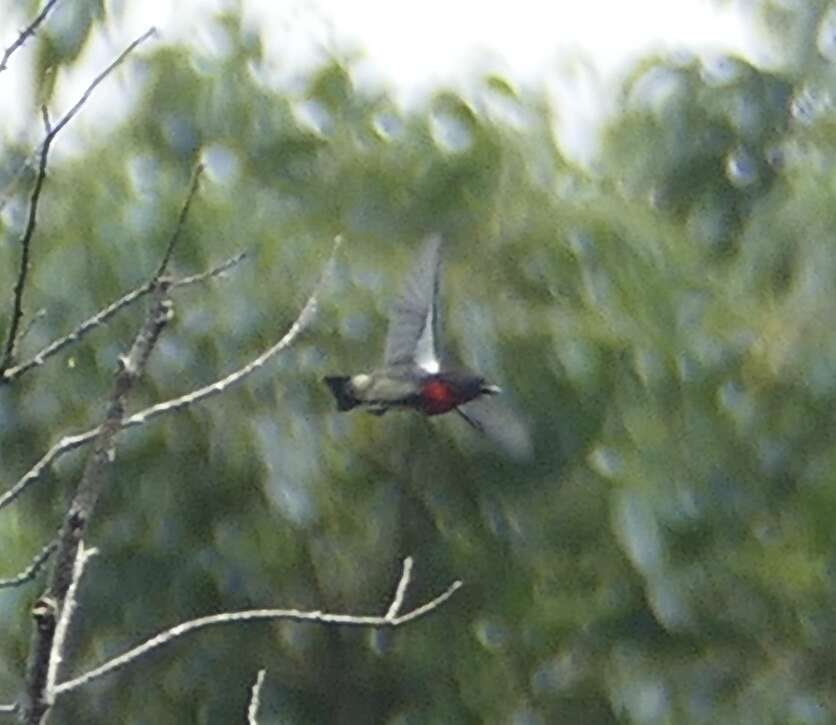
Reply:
x=573, y=48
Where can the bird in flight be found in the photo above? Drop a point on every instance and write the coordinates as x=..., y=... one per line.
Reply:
x=414, y=374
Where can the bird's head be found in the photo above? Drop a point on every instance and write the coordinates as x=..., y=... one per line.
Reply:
x=469, y=386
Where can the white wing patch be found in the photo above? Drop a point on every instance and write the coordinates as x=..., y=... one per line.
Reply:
x=425, y=350
x=414, y=329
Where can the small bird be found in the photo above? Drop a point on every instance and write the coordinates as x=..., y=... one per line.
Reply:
x=414, y=375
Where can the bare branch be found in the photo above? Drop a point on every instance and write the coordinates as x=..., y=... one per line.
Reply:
x=69, y=115
x=88, y=325
x=218, y=271
x=400, y=592
x=65, y=445
x=252, y=615
x=46, y=119
x=25, y=245
x=29, y=230
x=70, y=601
x=102, y=316
x=52, y=603
x=255, y=699
x=32, y=570
x=9, y=709
x=181, y=221
x=300, y=324
x=25, y=34
x=70, y=443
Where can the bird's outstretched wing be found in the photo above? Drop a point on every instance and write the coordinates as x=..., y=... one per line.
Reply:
x=414, y=336
x=502, y=425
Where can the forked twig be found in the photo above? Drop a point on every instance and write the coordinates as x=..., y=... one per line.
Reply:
x=25, y=34
x=70, y=443
x=51, y=606
x=105, y=314
x=56, y=657
x=29, y=230
x=259, y=615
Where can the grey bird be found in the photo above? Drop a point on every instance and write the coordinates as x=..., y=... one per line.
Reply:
x=414, y=374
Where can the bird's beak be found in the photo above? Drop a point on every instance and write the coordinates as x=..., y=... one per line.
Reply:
x=491, y=390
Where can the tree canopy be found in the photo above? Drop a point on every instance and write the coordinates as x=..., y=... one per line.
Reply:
x=660, y=324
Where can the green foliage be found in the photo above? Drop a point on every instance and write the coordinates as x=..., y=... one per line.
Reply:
x=69, y=30
x=663, y=328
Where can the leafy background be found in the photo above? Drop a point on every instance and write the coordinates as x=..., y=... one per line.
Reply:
x=661, y=321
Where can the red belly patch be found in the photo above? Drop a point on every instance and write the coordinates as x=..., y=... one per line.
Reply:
x=438, y=397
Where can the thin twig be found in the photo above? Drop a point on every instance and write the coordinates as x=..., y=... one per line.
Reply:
x=400, y=592
x=30, y=325
x=252, y=615
x=25, y=34
x=69, y=115
x=62, y=628
x=70, y=443
x=46, y=119
x=255, y=698
x=181, y=221
x=65, y=445
x=25, y=245
x=32, y=570
x=210, y=274
x=29, y=230
x=102, y=316
x=91, y=323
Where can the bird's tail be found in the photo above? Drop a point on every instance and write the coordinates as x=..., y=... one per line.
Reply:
x=340, y=386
